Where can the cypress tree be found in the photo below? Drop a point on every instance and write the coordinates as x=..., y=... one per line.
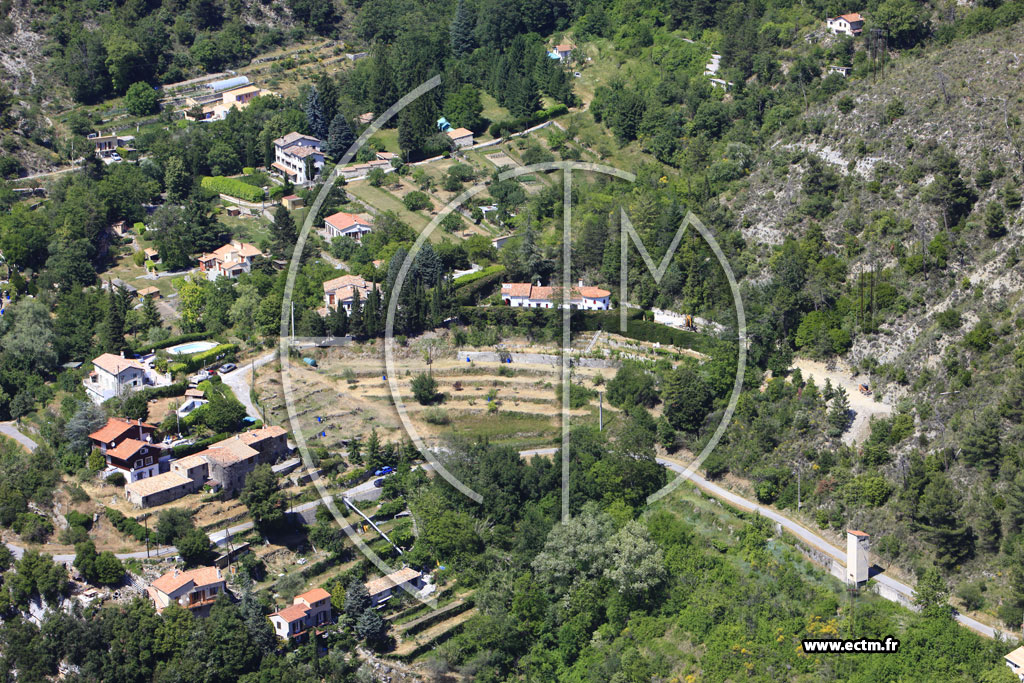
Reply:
x=314, y=111
x=327, y=91
x=339, y=137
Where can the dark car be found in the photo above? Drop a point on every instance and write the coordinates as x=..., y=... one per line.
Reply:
x=378, y=482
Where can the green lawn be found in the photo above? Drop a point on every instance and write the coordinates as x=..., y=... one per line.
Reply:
x=383, y=200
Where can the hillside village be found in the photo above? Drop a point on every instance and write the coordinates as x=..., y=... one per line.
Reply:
x=245, y=393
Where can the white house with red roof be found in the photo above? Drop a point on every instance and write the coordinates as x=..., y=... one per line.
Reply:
x=343, y=224
x=291, y=154
x=308, y=610
x=343, y=291
x=231, y=260
x=195, y=589
x=845, y=24
x=581, y=297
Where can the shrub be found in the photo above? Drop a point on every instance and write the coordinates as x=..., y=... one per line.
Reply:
x=232, y=188
x=416, y=200
x=437, y=416
x=424, y=388
x=126, y=525
x=116, y=479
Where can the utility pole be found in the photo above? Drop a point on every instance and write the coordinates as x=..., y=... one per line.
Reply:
x=147, y=536
x=600, y=411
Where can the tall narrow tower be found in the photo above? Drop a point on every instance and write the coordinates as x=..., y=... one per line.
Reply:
x=856, y=556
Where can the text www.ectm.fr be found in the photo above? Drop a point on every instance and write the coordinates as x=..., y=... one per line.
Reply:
x=827, y=645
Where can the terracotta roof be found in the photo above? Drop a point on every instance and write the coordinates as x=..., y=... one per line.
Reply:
x=291, y=196
x=257, y=435
x=564, y=47
x=516, y=288
x=115, y=365
x=176, y=579
x=127, y=448
x=344, y=221
x=852, y=17
x=189, y=461
x=229, y=452
x=283, y=169
x=542, y=293
x=240, y=248
x=302, y=151
x=346, y=281
x=156, y=484
x=292, y=613
x=459, y=133
x=592, y=292
x=312, y=596
x=115, y=428
x=857, y=533
x=292, y=138
x=391, y=580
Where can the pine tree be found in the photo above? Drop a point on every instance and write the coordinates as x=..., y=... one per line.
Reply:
x=112, y=334
x=327, y=91
x=285, y=233
x=839, y=414
x=176, y=180
x=339, y=137
x=315, y=114
x=150, y=314
x=981, y=445
x=461, y=30
x=355, y=318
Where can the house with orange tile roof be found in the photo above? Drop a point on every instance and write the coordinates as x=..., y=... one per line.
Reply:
x=381, y=589
x=581, y=297
x=562, y=52
x=195, y=589
x=231, y=260
x=343, y=291
x=293, y=152
x=845, y=24
x=118, y=429
x=308, y=610
x=343, y=224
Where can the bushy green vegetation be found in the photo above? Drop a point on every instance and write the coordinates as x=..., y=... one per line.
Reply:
x=232, y=187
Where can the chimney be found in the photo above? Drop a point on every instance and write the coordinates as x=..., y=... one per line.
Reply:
x=581, y=283
x=122, y=353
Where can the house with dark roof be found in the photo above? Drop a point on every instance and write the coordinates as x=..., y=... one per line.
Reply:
x=308, y=610
x=293, y=152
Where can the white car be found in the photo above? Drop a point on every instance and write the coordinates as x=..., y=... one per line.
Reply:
x=115, y=156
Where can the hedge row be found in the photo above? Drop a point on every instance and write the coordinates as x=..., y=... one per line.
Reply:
x=172, y=341
x=523, y=122
x=589, y=321
x=126, y=525
x=472, y=293
x=466, y=279
x=223, y=352
x=232, y=187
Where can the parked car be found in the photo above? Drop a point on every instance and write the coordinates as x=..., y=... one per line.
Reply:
x=200, y=376
x=115, y=156
x=378, y=483
x=227, y=367
x=387, y=470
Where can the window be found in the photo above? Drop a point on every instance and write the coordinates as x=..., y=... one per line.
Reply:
x=149, y=460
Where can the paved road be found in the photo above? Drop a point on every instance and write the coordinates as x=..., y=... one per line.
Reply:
x=238, y=381
x=801, y=532
x=11, y=429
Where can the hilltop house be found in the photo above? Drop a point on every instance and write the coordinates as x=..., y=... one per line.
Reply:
x=525, y=295
x=342, y=291
x=346, y=225
x=113, y=375
x=195, y=590
x=845, y=24
x=382, y=589
x=291, y=154
x=225, y=464
x=129, y=448
x=106, y=145
x=308, y=610
x=231, y=260
x=119, y=429
x=461, y=137
x=561, y=52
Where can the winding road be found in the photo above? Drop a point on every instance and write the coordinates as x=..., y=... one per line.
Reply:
x=802, y=533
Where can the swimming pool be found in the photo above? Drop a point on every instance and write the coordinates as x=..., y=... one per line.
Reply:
x=191, y=347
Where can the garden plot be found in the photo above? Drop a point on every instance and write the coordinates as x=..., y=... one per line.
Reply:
x=501, y=160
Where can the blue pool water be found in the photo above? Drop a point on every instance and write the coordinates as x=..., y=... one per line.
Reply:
x=191, y=347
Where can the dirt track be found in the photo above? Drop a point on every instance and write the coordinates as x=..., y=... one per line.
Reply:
x=864, y=407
